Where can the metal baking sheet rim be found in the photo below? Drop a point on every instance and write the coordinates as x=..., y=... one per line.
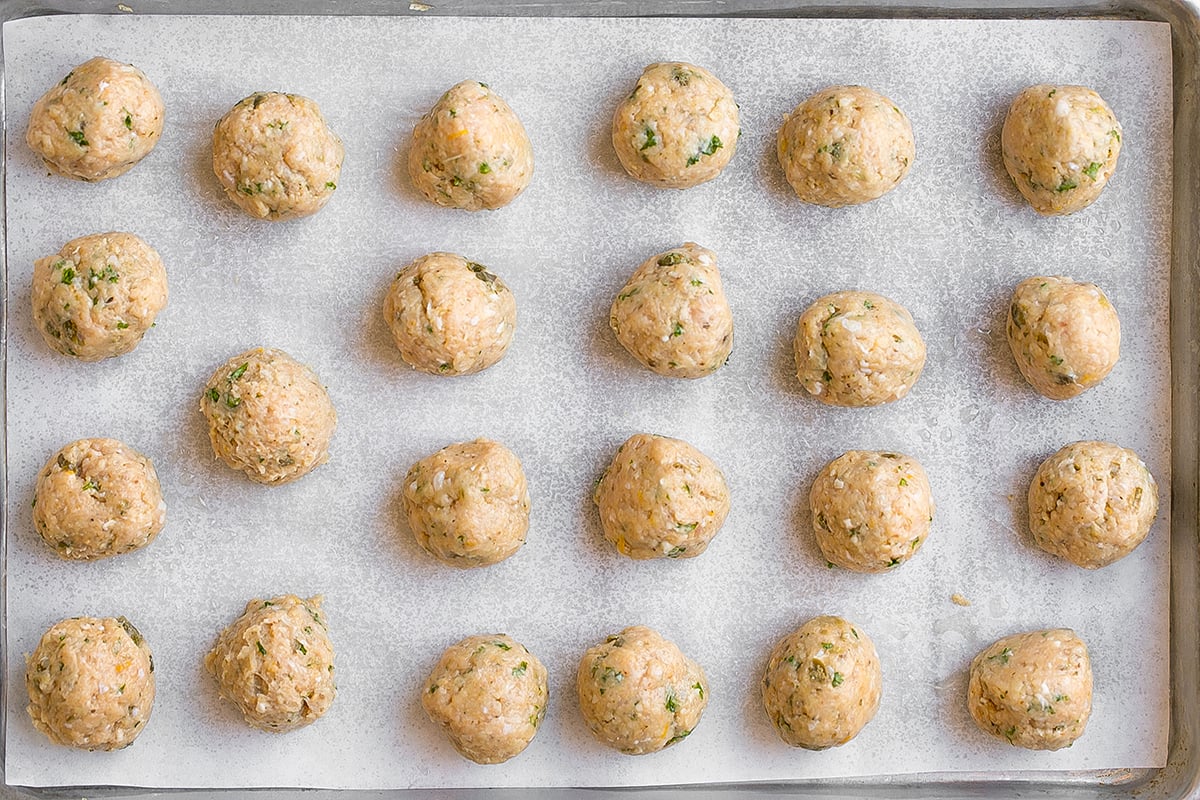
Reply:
x=1180, y=778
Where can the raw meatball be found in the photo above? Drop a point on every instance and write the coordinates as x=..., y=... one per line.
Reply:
x=275, y=663
x=858, y=349
x=639, y=693
x=268, y=416
x=661, y=498
x=1064, y=335
x=97, y=296
x=1060, y=146
x=275, y=156
x=871, y=511
x=489, y=695
x=822, y=684
x=99, y=121
x=678, y=128
x=470, y=150
x=450, y=316
x=1033, y=689
x=672, y=314
x=468, y=504
x=91, y=683
x=97, y=498
x=845, y=145
x=1092, y=503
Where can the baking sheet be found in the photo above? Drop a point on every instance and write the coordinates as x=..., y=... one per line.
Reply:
x=949, y=244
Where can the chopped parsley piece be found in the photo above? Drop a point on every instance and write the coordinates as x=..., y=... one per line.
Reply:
x=671, y=259
x=1003, y=656
x=262, y=651
x=904, y=482
x=214, y=395
x=300, y=646
x=232, y=402
x=128, y=121
x=838, y=678
x=1092, y=169
x=651, y=139
x=122, y=326
x=519, y=669
x=484, y=169
x=699, y=688
x=503, y=645
x=239, y=372
x=330, y=185
x=672, y=703
x=78, y=138
x=827, y=645
x=91, y=485
x=1067, y=185
x=68, y=275
x=677, y=551
x=678, y=331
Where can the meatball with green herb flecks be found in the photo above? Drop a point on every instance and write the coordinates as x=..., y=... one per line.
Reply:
x=639, y=693
x=678, y=127
x=99, y=295
x=489, y=694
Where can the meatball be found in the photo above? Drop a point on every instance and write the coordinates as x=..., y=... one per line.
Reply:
x=639, y=693
x=97, y=498
x=1092, y=503
x=98, y=295
x=822, y=684
x=1060, y=146
x=275, y=663
x=1065, y=336
x=858, y=349
x=470, y=150
x=99, y=121
x=845, y=145
x=268, y=416
x=468, y=504
x=661, y=498
x=275, y=157
x=871, y=511
x=91, y=683
x=672, y=314
x=678, y=128
x=489, y=695
x=450, y=316
x=1032, y=689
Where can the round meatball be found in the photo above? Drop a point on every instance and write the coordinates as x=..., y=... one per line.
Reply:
x=1092, y=503
x=871, y=511
x=91, y=683
x=275, y=663
x=468, y=504
x=661, y=498
x=822, y=684
x=275, y=157
x=845, y=145
x=639, y=693
x=1065, y=336
x=99, y=121
x=1032, y=689
x=1060, y=146
x=489, y=695
x=97, y=296
x=268, y=416
x=450, y=316
x=672, y=314
x=470, y=150
x=97, y=498
x=678, y=128
x=858, y=349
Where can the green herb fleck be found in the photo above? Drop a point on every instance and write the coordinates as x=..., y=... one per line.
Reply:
x=697, y=282
x=91, y=485
x=676, y=551
x=214, y=395
x=443, y=367
x=827, y=645
x=677, y=738
x=672, y=703
x=68, y=275
x=122, y=326
x=1056, y=360
x=699, y=688
x=1116, y=134
x=519, y=669
x=239, y=372
x=838, y=678
x=868, y=304
x=330, y=185
x=651, y=139
x=904, y=482
x=827, y=376
x=1010, y=733
x=1061, y=698
x=433, y=687
x=128, y=121
x=678, y=331
x=262, y=651
x=1003, y=656
x=232, y=402
x=1092, y=169
x=456, y=181
x=300, y=646
x=1067, y=185
x=894, y=562
x=503, y=645
x=671, y=259
x=78, y=138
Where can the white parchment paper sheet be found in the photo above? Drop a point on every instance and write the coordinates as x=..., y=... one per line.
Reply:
x=950, y=244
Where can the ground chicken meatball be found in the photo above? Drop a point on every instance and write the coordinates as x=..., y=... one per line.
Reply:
x=97, y=498
x=1060, y=146
x=1092, y=503
x=672, y=314
x=639, y=693
x=661, y=498
x=91, y=683
x=98, y=295
x=489, y=695
x=871, y=511
x=844, y=146
x=470, y=150
x=99, y=121
x=275, y=663
x=1032, y=689
x=678, y=128
x=268, y=416
x=822, y=684
x=450, y=316
x=1065, y=336
x=468, y=504
x=858, y=349
x=275, y=156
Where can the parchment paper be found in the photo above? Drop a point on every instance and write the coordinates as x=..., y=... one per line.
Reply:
x=950, y=244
